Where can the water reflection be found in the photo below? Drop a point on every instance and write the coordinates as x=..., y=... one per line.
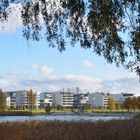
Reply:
x=59, y=117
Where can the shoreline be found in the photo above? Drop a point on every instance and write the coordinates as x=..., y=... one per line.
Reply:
x=93, y=114
x=99, y=114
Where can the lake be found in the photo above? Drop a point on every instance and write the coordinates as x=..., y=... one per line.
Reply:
x=60, y=118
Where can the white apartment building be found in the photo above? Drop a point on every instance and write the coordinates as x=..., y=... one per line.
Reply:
x=80, y=100
x=37, y=104
x=45, y=99
x=120, y=98
x=65, y=99
x=18, y=99
x=98, y=99
x=12, y=98
x=21, y=99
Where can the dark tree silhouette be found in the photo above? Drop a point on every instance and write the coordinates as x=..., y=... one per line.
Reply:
x=110, y=28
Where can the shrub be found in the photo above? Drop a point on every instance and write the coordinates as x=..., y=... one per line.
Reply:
x=47, y=109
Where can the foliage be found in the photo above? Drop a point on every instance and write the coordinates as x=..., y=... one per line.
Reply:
x=111, y=103
x=59, y=108
x=31, y=99
x=110, y=28
x=47, y=109
x=2, y=101
x=132, y=103
x=54, y=130
x=86, y=107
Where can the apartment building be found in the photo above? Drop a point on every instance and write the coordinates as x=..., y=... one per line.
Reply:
x=18, y=99
x=80, y=100
x=98, y=99
x=65, y=99
x=45, y=99
x=15, y=99
x=120, y=98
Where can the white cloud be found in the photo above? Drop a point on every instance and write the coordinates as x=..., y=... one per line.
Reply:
x=4, y=82
x=88, y=64
x=129, y=84
x=42, y=69
x=47, y=80
x=46, y=70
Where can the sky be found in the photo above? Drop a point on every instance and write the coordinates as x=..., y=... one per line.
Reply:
x=25, y=65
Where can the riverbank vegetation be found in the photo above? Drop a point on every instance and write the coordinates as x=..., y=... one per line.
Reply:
x=16, y=113
x=50, y=110
x=83, y=130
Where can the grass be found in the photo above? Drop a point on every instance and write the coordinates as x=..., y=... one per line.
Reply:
x=54, y=110
x=55, y=130
x=16, y=113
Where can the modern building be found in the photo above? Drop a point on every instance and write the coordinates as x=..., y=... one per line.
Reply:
x=99, y=99
x=65, y=99
x=45, y=99
x=120, y=98
x=15, y=99
x=18, y=99
x=80, y=100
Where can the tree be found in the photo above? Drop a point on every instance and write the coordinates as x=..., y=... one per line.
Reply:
x=138, y=98
x=111, y=103
x=2, y=101
x=128, y=104
x=86, y=107
x=47, y=108
x=110, y=28
x=132, y=103
x=59, y=108
x=31, y=99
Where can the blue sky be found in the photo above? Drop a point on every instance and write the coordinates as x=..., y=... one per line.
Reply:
x=25, y=65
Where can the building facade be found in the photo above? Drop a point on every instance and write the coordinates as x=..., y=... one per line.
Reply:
x=80, y=100
x=99, y=99
x=45, y=99
x=18, y=99
x=120, y=98
x=64, y=99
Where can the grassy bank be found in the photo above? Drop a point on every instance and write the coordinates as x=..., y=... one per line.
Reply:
x=15, y=113
x=43, y=130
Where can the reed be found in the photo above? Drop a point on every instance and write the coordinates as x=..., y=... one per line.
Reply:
x=56, y=130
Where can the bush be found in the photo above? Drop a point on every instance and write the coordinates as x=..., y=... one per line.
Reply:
x=47, y=109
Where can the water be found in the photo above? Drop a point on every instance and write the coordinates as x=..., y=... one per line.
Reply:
x=59, y=118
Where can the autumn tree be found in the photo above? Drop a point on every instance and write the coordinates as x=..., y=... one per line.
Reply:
x=128, y=104
x=138, y=98
x=111, y=103
x=132, y=103
x=31, y=99
x=2, y=101
x=110, y=28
